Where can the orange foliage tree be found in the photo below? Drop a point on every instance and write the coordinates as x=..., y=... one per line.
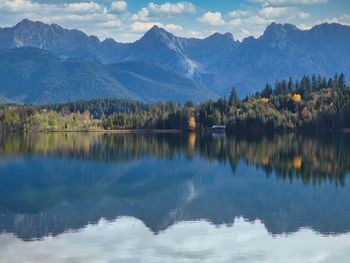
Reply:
x=296, y=98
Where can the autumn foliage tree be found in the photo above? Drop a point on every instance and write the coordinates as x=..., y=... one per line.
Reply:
x=192, y=123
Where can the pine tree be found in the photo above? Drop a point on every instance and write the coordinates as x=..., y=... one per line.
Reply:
x=234, y=99
x=341, y=81
x=290, y=85
x=314, y=82
x=267, y=91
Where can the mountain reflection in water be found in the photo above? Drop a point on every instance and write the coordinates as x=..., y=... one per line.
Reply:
x=56, y=184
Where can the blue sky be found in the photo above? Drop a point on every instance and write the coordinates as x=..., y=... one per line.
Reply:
x=128, y=20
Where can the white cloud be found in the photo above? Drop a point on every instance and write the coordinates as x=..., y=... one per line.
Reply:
x=286, y=13
x=17, y=6
x=212, y=18
x=145, y=14
x=236, y=22
x=303, y=15
x=173, y=28
x=257, y=21
x=119, y=6
x=142, y=14
x=273, y=12
x=344, y=19
x=240, y=13
x=173, y=8
x=84, y=7
x=289, y=2
x=112, y=24
x=194, y=34
x=141, y=27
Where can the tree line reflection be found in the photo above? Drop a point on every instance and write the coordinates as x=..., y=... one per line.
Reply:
x=314, y=160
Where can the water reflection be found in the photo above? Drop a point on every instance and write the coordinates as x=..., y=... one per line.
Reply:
x=53, y=183
x=128, y=240
x=314, y=160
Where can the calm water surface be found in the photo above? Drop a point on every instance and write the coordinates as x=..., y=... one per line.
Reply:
x=90, y=197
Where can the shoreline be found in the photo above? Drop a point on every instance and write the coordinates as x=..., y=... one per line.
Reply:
x=169, y=131
x=100, y=131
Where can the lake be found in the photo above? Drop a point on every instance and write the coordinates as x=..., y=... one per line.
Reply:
x=94, y=197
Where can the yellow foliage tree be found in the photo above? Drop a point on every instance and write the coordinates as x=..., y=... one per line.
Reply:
x=192, y=141
x=192, y=123
x=297, y=162
x=296, y=98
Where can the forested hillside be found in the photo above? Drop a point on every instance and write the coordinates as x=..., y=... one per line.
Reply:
x=311, y=104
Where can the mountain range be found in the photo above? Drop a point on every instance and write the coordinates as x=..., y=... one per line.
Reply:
x=161, y=66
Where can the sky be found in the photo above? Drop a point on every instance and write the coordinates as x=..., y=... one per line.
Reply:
x=128, y=20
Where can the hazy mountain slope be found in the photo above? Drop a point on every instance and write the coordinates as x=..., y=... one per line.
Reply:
x=218, y=62
x=151, y=83
x=32, y=75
